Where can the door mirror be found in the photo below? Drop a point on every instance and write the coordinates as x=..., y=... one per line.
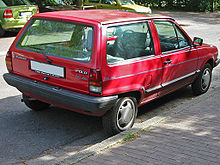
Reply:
x=197, y=41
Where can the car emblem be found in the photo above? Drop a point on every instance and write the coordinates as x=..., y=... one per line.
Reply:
x=81, y=72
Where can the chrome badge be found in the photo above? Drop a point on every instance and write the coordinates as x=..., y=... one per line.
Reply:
x=81, y=72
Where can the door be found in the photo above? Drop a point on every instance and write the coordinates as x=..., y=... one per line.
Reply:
x=179, y=60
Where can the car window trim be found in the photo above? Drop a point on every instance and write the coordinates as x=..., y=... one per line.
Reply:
x=131, y=60
x=175, y=50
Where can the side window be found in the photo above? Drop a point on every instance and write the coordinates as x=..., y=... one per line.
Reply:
x=129, y=41
x=182, y=39
x=109, y=2
x=167, y=36
x=94, y=1
x=171, y=37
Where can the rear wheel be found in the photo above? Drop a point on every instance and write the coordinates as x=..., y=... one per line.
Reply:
x=2, y=32
x=121, y=117
x=34, y=104
x=203, y=81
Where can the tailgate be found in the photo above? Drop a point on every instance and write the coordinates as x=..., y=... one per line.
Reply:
x=61, y=73
x=23, y=11
x=55, y=52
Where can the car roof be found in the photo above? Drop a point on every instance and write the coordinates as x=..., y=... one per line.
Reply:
x=99, y=15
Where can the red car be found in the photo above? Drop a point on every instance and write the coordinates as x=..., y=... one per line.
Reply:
x=105, y=63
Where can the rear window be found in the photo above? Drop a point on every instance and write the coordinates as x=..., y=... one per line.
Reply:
x=60, y=39
x=16, y=2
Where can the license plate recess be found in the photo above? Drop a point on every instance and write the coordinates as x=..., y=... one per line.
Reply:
x=47, y=69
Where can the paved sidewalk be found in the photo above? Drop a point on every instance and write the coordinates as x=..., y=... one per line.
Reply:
x=188, y=137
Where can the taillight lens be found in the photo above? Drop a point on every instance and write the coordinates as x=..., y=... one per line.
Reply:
x=8, y=13
x=8, y=61
x=95, y=81
x=38, y=10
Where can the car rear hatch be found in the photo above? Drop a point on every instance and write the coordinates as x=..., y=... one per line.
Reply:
x=24, y=11
x=55, y=52
x=21, y=9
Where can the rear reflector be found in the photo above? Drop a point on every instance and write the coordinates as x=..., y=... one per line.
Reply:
x=8, y=61
x=8, y=13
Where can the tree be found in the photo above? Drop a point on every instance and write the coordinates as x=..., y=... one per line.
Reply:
x=212, y=5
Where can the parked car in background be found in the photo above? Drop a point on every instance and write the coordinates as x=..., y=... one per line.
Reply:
x=127, y=5
x=105, y=63
x=55, y=5
x=14, y=14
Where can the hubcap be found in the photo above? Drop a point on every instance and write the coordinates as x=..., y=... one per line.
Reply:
x=125, y=114
x=206, y=78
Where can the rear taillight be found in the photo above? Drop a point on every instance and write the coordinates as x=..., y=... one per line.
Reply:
x=8, y=13
x=38, y=10
x=95, y=81
x=8, y=61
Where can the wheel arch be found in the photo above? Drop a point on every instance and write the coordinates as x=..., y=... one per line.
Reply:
x=211, y=62
x=137, y=94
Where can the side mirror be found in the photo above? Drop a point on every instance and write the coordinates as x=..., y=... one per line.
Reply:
x=197, y=41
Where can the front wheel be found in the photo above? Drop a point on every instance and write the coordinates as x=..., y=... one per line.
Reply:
x=203, y=81
x=34, y=104
x=121, y=117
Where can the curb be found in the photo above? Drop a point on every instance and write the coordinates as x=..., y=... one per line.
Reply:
x=76, y=157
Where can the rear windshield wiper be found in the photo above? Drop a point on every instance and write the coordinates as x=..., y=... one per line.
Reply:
x=48, y=60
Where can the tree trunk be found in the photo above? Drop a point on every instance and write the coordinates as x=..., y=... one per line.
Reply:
x=212, y=5
x=159, y=3
x=80, y=4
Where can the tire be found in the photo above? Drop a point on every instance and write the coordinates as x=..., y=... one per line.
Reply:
x=33, y=104
x=121, y=117
x=2, y=32
x=203, y=81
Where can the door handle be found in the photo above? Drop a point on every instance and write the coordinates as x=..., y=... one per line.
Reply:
x=168, y=62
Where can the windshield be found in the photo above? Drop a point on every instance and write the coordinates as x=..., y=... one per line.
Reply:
x=16, y=2
x=126, y=2
x=61, y=39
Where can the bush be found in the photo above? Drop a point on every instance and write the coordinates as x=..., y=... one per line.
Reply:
x=187, y=5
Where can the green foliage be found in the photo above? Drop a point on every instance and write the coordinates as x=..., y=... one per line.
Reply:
x=187, y=5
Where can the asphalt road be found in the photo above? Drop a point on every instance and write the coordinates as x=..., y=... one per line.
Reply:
x=25, y=134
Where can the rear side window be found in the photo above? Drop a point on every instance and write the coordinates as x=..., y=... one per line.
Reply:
x=16, y=2
x=171, y=37
x=129, y=41
x=61, y=39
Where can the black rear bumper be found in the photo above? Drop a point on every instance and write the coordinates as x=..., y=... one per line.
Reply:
x=87, y=103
